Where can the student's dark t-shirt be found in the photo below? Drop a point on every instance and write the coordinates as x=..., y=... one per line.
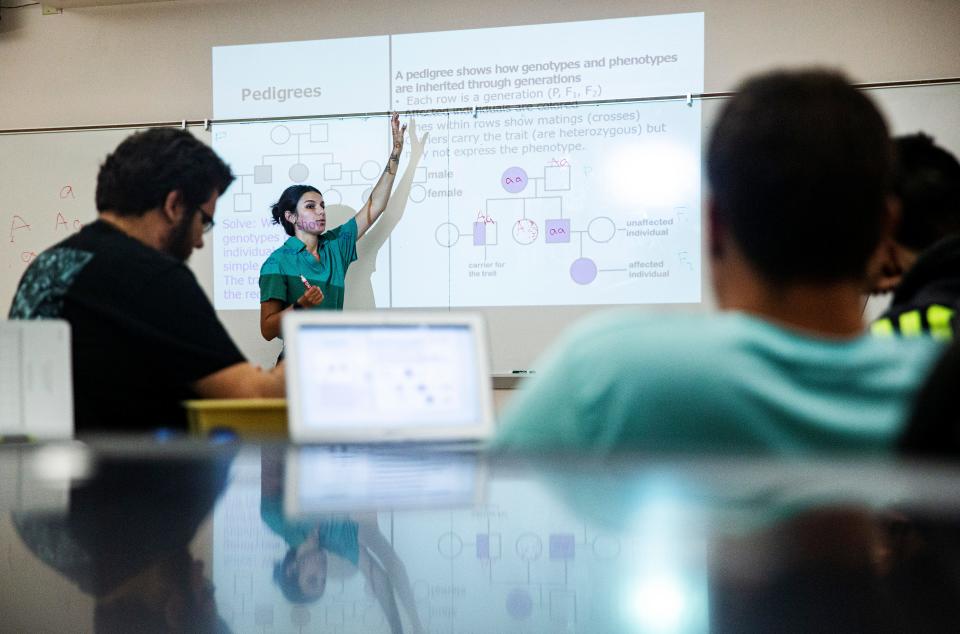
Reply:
x=142, y=329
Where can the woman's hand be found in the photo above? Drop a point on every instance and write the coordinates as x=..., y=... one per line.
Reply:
x=380, y=194
x=397, y=130
x=313, y=297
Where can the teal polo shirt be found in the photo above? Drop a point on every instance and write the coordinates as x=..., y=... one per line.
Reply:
x=730, y=382
x=336, y=533
x=280, y=274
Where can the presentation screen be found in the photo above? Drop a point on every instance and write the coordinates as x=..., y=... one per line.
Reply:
x=540, y=203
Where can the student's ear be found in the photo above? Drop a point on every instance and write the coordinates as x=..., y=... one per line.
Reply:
x=173, y=208
x=891, y=260
x=888, y=268
x=291, y=216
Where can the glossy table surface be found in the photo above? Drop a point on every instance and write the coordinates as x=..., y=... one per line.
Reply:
x=137, y=536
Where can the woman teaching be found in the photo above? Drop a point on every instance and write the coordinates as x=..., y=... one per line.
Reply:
x=308, y=271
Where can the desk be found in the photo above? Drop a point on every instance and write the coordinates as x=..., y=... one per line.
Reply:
x=126, y=533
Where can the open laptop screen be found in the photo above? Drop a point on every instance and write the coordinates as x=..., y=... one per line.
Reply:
x=388, y=375
x=327, y=479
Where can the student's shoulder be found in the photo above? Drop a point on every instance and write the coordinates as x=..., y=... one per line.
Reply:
x=634, y=334
x=116, y=259
x=912, y=355
x=108, y=240
x=656, y=352
x=602, y=368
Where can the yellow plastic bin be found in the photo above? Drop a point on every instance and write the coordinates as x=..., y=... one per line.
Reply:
x=247, y=417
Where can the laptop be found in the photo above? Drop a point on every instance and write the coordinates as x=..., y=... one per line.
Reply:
x=387, y=377
x=36, y=382
x=324, y=479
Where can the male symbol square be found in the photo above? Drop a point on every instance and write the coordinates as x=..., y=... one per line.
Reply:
x=262, y=174
x=558, y=230
x=562, y=546
x=556, y=179
x=242, y=202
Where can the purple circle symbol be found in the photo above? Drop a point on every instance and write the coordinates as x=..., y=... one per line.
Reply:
x=514, y=180
x=583, y=270
x=519, y=604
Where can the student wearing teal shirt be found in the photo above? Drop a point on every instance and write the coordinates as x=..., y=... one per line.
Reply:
x=800, y=171
x=309, y=270
x=724, y=383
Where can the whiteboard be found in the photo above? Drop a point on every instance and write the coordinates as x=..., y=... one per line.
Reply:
x=48, y=181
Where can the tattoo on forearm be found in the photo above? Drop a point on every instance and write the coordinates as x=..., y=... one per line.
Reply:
x=393, y=159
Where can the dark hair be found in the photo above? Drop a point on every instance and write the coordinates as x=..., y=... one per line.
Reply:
x=928, y=184
x=288, y=202
x=148, y=165
x=800, y=166
x=290, y=584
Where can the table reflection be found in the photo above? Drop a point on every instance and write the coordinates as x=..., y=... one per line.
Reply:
x=580, y=546
x=326, y=539
x=122, y=537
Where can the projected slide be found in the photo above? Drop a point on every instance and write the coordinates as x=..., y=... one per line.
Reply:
x=540, y=205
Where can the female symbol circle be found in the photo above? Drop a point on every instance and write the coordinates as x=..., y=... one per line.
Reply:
x=332, y=197
x=525, y=231
x=280, y=134
x=450, y=545
x=601, y=229
x=514, y=180
x=418, y=193
x=583, y=270
x=370, y=170
x=519, y=604
x=447, y=234
x=299, y=172
x=529, y=547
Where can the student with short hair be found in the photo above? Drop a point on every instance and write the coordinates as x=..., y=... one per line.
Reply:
x=921, y=263
x=799, y=164
x=144, y=335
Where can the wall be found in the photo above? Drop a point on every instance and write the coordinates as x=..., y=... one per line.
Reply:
x=152, y=62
